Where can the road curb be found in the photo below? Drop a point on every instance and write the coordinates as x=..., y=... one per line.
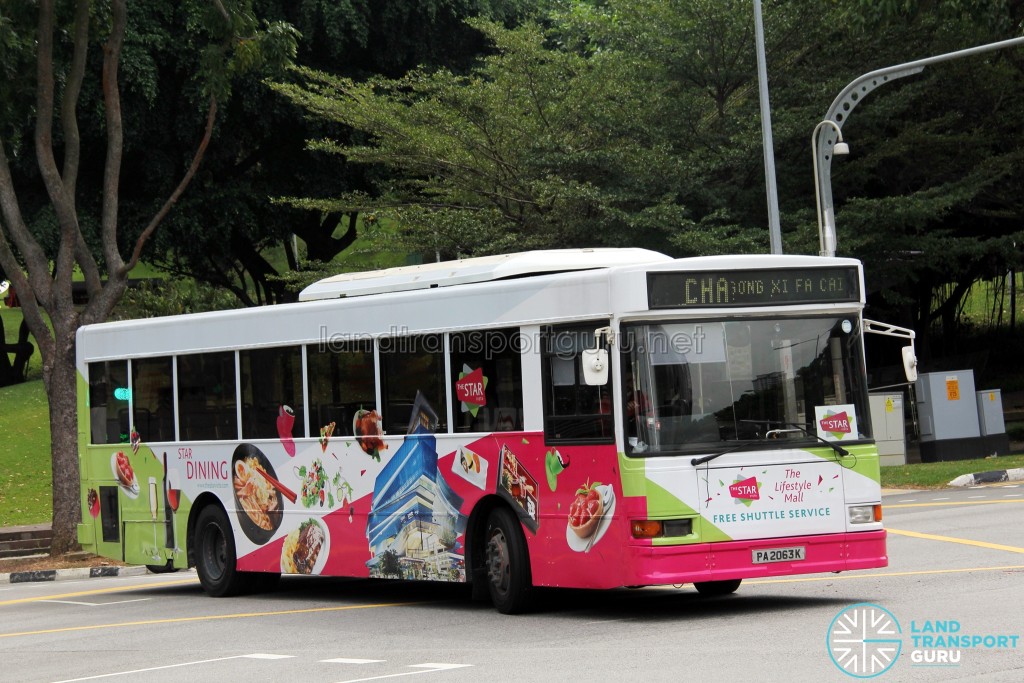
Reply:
x=76, y=573
x=991, y=477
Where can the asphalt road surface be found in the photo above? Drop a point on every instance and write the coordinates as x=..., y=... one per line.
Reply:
x=956, y=570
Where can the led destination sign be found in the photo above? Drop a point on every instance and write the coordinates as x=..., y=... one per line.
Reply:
x=709, y=288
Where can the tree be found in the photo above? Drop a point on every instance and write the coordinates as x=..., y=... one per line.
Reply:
x=261, y=146
x=528, y=150
x=390, y=564
x=608, y=123
x=635, y=122
x=41, y=266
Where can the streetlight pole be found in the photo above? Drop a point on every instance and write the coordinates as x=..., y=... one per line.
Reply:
x=839, y=112
x=826, y=221
x=774, y=227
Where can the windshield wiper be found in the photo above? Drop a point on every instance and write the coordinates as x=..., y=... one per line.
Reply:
x=708, y=458
x=772, y=433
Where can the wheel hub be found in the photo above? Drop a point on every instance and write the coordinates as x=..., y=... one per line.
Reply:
x=498, y=570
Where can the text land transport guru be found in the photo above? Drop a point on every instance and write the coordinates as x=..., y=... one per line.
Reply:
x=946, y=634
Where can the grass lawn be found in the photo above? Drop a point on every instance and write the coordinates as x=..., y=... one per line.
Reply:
x=25, y=483
x=934, y=475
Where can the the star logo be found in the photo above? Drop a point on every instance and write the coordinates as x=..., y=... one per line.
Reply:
x=745, y=490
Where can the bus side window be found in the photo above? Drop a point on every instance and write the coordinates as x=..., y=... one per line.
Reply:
x=487, y=386
x=153, y=398
x=206, y=396
x=573, y=410
x=271, y=381
x=412, y=368
x=341, y=383
x=108, y=402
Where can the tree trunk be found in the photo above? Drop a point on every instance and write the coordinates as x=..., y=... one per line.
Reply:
x=60, y=377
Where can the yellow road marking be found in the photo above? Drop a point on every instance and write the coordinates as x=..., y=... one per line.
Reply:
x=99, y=591
x=952, y=502
x=213, y=617
x=950, y=539
x=874, y=575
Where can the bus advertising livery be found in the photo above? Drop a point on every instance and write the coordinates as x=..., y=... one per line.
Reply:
x=590, y=418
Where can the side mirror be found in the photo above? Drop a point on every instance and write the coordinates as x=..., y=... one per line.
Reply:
x=910, y=363
x=595, y=367
x=595, y=360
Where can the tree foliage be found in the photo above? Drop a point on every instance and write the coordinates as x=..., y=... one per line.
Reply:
x=615, y=122
x=62, y=153
x=232, y=228
x=537, y=146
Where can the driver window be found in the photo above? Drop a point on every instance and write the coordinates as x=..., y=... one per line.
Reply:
x=573, y=410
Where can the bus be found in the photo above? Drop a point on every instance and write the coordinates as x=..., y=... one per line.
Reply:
x=586, y=418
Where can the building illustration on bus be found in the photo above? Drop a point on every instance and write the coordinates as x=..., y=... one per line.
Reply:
x=588, y=418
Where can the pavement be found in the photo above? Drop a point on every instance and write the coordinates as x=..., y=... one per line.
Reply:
x=991, y=477
x=73, y=573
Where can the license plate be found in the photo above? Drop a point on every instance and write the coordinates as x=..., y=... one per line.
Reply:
x=763, y=555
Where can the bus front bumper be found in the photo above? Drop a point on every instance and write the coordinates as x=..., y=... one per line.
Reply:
x=723, y=561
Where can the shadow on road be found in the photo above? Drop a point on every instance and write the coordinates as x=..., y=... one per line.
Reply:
x=642, y=604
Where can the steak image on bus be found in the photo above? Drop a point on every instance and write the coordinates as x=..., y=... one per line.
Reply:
x=584, y=418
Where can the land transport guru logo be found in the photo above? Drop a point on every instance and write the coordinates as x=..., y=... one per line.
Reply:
x=865, y=640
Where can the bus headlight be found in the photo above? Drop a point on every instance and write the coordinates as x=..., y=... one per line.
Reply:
x=864, y=514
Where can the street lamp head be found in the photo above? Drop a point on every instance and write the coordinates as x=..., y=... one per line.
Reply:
x=826, y=229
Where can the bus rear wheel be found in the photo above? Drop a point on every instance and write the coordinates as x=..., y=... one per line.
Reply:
x=215, y=554
x=507, y=562
x=712, y=588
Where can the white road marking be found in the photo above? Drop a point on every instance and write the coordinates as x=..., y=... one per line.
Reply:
x=423, y=669
x=156, y=668
x=267, y=656
x=438, y=666
x=96, y=604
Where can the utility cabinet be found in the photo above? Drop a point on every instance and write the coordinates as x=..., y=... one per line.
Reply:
x=888, y=426
x=951, y=413
x=991, y=423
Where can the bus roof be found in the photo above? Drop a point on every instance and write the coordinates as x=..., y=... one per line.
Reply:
x=479, y=269
x=554, y=287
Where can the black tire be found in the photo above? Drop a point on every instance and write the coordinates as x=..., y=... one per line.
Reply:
x=168, y=568
x=215, y=554
x=507, y=562
x=712, y=588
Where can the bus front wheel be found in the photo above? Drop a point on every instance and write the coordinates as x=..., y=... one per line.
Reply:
x=508, y=562
x=215, y=554
x=712, y=588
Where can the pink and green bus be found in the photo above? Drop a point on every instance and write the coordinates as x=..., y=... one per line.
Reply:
x=589, y=418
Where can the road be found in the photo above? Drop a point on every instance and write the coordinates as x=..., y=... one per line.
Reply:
x=956, y=566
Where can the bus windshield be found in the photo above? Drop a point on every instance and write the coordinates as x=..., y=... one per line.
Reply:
x=688, y=385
